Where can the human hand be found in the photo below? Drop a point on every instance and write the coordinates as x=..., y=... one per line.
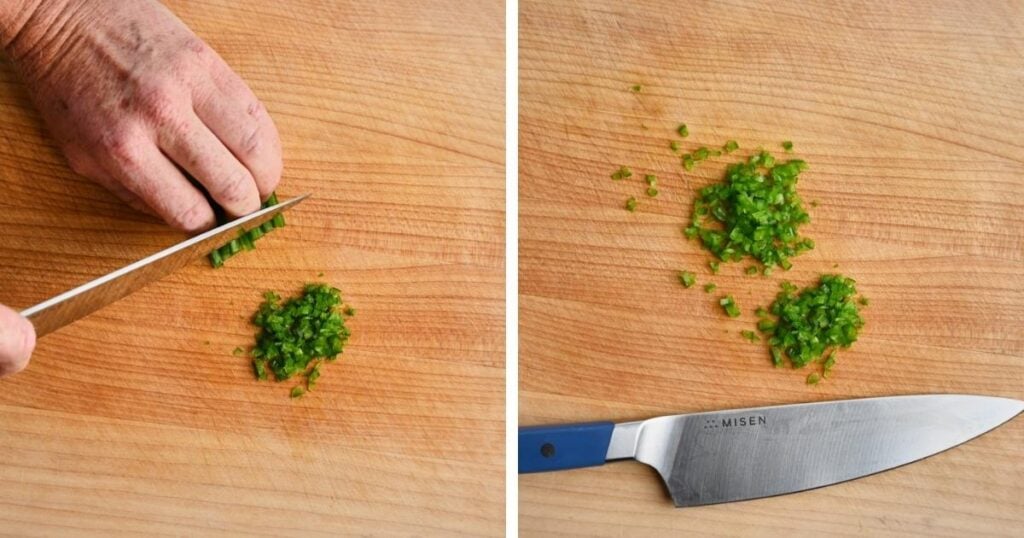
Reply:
x=17, y=340
x=133, y=98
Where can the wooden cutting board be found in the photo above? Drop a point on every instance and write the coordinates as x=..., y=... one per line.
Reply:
x=910, y=115
x=139, y=420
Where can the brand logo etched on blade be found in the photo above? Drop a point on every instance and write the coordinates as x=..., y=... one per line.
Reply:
x=735, y=422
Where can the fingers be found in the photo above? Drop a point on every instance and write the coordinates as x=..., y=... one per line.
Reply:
x=17, y=340
x=106, y=181
x=85, y=166
x=241, y=122
x=196, y=149
x=140, y=167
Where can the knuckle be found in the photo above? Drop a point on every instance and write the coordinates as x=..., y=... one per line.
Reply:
x=256, y=109
x=122, y=147
x=190, y=218
x=157, y=103
x=193, y=54
x=196, y=45
x=237, y=188
x=253, y=141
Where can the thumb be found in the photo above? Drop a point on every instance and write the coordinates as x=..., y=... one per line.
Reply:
x=17, y=340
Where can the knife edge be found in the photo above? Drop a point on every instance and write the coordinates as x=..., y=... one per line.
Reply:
x=82, y=300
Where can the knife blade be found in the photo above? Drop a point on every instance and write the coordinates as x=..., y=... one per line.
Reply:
x=71, y=305
x=723, y=456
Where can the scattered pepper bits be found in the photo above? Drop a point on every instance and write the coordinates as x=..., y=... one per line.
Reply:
x=688, y=162
x=622, y=173
x=755, y=211
x=313, y=375
x=729, y=305
x=652, y=185
x=826, y=367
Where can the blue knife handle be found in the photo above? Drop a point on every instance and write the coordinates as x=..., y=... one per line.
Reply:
x=567, y=446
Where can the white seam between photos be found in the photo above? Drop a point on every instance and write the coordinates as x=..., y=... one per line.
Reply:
x=511, y=268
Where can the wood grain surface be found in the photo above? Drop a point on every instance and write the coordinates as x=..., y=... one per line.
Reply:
x=139, y=421
x=910, y=115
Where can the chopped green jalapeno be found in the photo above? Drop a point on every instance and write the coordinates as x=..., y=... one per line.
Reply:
x=818, y=319
x=299, y=332
x=246, y=239
x=622, y=173
x=688, y=162
x=728, y=304
x=755, y=211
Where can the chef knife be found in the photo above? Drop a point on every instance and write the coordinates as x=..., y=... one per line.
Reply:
x=69, y=306
x=722, y=456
